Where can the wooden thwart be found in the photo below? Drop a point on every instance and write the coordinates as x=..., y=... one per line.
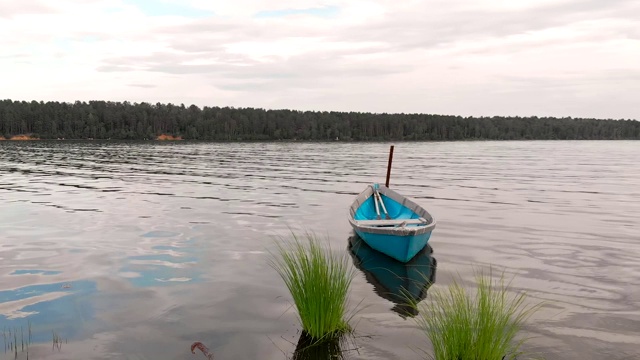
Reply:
x=390, y=222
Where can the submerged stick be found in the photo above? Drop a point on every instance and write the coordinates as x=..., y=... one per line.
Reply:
x=203, y=348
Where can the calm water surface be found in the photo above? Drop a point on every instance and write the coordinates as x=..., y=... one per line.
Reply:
x=136, y=250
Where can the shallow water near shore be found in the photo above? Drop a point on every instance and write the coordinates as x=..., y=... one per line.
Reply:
x=135, y=250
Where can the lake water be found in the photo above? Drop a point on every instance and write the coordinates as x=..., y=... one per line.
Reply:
x=135, y=250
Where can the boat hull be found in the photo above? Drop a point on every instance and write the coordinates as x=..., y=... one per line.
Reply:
x=401, y=231
x=401, y=248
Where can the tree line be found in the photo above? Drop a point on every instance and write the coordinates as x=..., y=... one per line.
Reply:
x=124, y=120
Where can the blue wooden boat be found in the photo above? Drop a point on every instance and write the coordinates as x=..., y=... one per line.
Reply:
x=403, y=284
x=390, y=223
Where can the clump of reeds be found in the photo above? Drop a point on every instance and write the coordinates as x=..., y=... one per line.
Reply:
x=462, y=326
x=56, y=340
x=319, y=283
x=12, y=344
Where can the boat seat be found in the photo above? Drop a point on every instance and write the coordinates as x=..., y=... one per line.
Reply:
x=392, y=222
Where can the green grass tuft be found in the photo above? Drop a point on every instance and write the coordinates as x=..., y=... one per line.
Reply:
x=319, y=283
x=462, y=326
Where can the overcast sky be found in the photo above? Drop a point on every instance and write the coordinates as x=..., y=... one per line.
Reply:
x=577, y=58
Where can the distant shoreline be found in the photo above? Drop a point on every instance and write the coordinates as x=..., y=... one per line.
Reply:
x=303, y=141
x=168, y=122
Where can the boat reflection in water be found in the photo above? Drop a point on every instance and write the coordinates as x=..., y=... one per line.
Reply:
x=400, y=283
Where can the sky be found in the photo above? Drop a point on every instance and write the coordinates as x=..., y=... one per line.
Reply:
x=578, y=58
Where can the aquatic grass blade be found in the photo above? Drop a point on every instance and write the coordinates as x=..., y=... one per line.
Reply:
x=463, y=326
x=319, y=284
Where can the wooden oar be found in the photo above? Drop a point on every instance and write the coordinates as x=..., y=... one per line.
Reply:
x=384, y=208
x=375, y=199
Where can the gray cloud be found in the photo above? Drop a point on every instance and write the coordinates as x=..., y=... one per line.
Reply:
x=245, y=86
x=145, y=86
x=434, y=56
x=432, y=26
x=595, y=95
x=600, y=81
x=303, y=71
x=15, y=56
x=91, y=35
x=9, y=9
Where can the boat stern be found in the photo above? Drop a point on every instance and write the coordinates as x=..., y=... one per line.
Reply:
x=401, y=248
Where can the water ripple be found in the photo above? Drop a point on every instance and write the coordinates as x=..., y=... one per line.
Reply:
x=164, y=244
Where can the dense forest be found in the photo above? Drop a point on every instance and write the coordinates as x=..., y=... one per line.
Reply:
x=116, y=120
